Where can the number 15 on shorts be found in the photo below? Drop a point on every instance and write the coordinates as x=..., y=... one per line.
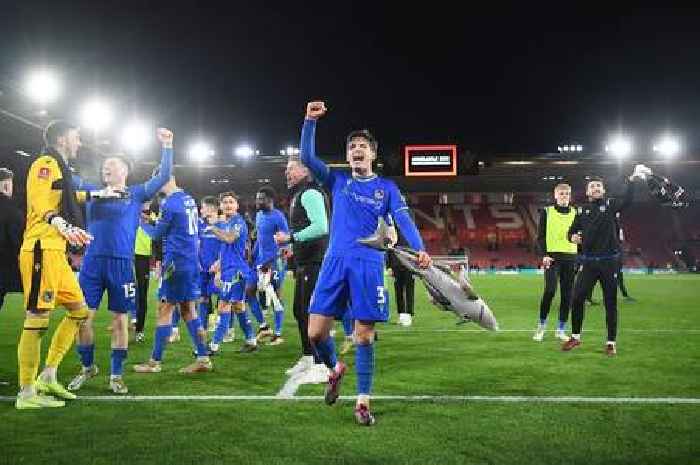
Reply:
x=129, y=290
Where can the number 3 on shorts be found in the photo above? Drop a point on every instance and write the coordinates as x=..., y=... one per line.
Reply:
x=381, y=298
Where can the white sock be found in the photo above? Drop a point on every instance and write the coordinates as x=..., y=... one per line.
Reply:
x=49, y=374
x=362, y=399
x=611, y=343
x=27, y=391
x=576, y=336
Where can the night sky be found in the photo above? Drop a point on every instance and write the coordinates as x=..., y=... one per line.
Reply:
x=515, y=80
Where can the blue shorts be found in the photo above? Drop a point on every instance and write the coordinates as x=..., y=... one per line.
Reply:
x=180, y=286
x=206, y=284
x=354, y=284
x=114, y=275
x=234, y=283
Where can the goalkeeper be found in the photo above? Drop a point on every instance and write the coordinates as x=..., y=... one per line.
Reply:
x=53, y=220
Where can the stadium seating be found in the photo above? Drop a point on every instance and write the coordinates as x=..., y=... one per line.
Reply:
x=503, y=235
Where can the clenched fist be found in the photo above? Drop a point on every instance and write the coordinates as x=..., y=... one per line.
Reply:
x=165, y=136
x=314, y=110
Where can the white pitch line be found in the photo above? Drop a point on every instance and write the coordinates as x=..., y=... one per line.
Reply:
x=408, y=398
x=638, y=331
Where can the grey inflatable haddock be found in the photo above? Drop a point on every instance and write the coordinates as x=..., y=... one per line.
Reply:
x=455, y=295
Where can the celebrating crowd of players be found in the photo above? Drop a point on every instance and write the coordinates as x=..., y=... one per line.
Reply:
x=337, y=277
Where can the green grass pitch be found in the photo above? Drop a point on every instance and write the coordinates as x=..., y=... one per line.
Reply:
x=658, y=356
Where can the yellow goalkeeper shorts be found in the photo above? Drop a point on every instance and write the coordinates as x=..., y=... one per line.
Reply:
x=47, y=279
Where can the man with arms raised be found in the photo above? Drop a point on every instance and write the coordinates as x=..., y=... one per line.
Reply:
x=352, y=272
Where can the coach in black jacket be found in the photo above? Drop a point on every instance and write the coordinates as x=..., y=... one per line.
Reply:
x=11, y=231
x=308, y=221
x=595, y=229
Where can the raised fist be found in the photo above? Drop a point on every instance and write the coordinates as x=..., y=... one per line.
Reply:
x=314, y=110
x=165, y=136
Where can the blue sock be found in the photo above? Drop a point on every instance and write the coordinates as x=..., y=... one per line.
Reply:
x=562, y=325
x=118, y=357
x=204, y=314
x=347, y=324
x=279, y=319
x=162, y=334
x=222, y=327
x=326, y=352
x=245, y=325
x=87, y=354
x=176, y=317
x=255, y=310
x=364, y=366
x=543, y=321
x=193, y=327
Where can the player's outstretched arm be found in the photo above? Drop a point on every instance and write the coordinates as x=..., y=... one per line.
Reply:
x=320, y=170
x=153, y=185
x=228, y=237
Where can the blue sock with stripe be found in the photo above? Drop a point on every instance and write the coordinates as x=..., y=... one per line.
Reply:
x=193, y=327
x=254, y=304
x=176, y=318
x=86, y=354
x=279, y=319
x=222, y=327
x=118, y=357
x=364, y=366
x=245, y=325
x=204, y=313
x=347, y=323
x=326, y=352
x=163, y=332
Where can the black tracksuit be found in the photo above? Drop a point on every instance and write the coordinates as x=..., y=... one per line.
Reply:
x=404, y=284
x=562, y=270
x=11, y=232
x=600, y=252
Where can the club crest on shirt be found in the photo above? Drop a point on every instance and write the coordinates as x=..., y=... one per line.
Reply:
x=44, y=173
x=379, y=194
x=602, y=208
x=47, y=296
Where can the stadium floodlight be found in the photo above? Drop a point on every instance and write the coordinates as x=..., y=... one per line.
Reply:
x=136, y=136
x=619, y=146
x=96, y=115
x=42, y=86
x=569, y=148
x=200, y=151
x=667, y=146
x=244, y=151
